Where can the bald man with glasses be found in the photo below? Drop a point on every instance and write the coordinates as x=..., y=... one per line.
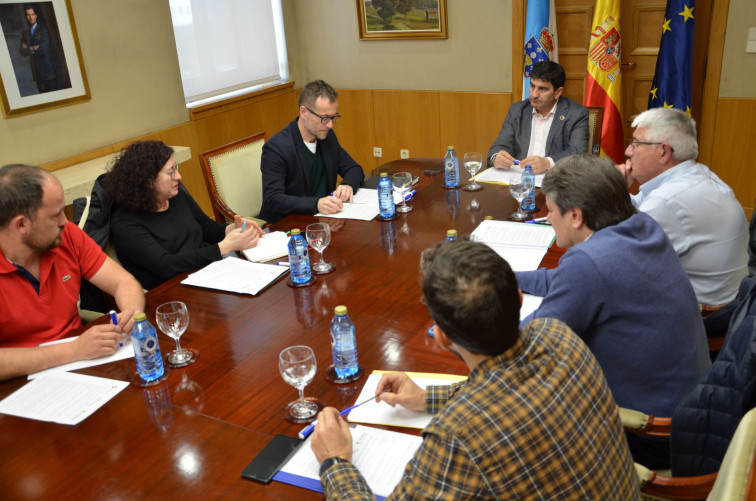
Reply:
x=300, y=163
x=697, y=210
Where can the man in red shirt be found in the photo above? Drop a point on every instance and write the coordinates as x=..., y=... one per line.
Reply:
x=43, y=258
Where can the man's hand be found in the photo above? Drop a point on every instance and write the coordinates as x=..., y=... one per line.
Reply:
x=503, y=160
x=330, y=205
x=538, y=164
x=626, y=169
x=126, y=321
x=398, y=388
x=331, y=437
x=344, y=193
x=97, y=341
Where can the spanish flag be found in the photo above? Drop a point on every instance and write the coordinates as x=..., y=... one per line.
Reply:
x=604, y=85
x=671, y=87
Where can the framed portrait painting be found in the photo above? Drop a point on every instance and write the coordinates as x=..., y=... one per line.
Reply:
x=401, y=19
x=40, y=59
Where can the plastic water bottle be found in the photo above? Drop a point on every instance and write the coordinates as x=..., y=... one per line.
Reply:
x=386, y=196
x=528, y=177
x=451, y=235
x=451, y=164
x=299, y=260
x=343, y=344
x=146, y=349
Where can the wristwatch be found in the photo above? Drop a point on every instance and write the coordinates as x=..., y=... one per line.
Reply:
x=330, y=462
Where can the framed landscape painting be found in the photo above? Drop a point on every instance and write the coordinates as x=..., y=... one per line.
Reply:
x=40, y=59
x=401, y=19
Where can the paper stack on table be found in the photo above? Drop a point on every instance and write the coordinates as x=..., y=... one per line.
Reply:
x=236, y=275
x=270, y=246
x=506, y=176
x=521, y=245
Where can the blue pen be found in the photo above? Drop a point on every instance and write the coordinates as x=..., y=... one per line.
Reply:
x=516, y=162
x=114, y=319
x=282, y=263
x=310, y=427
x=410, y=194
x=244, y=225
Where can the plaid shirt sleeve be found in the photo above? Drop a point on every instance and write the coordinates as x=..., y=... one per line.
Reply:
x=343, y=481
x=436, y=396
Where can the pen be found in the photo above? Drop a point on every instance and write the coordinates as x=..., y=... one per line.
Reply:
x=114, y=319
x=310, y=427
x=539, y=220
x=282, y=263
x=410, y=194
x=244, y=225
x=516, y=162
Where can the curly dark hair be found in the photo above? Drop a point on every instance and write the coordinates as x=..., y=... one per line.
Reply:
x=131, y=178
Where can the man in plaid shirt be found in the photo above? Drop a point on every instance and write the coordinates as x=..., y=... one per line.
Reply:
x=534, y=420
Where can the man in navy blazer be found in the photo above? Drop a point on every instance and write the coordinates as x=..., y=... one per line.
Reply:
x=300, y=163
x=544, y=128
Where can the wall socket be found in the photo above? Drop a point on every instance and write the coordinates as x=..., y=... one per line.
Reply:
x=377, y=152
x=404, y=153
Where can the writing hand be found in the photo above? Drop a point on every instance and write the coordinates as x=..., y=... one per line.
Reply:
x=331, y=437
x=398, y=388
x=97, y=341
x=538, y=164
x=344, y=193
x=330, y=205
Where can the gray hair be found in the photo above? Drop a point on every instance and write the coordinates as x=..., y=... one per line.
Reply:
x=668, y=125
x=315, y=89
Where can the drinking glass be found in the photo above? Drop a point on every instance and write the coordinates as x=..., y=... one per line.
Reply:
x=297, y=365
x=319, y=236
x=402, y=182
x=519, y=191
x=473, y=161
x=173, y=319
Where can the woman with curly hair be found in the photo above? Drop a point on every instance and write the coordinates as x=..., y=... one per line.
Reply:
x=158, y=229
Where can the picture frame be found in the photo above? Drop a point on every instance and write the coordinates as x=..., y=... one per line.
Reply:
x=380, y=20
x=40, y=68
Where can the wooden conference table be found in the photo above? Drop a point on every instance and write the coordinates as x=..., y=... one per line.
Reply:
x=191, y=436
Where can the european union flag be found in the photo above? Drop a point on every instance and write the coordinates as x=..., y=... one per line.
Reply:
x=671, y=87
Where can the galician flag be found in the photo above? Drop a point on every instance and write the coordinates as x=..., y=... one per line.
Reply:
x=540, y=38
x=671, y=87
x=604, y=85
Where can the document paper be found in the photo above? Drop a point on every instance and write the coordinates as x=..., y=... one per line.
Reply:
x=61, y=397
x=363, y=212
x=380, y=455
x=122, y=353
x=382, y=413
x=269, y=246
x=506, y=176
x=522, y=245
x=236, y=275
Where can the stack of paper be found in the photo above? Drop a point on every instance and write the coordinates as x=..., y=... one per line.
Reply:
x=506, y=176
x=236, y=275
x=521, y=245
x=269, y=246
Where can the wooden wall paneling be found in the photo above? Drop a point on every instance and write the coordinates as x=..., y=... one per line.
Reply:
x=407, y=120
x=356, y=129
x=574, y=20
x=733, y=148
x=470, y=121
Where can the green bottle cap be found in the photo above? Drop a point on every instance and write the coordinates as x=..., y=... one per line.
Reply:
x=295, y=231
x=139, y=317
x=340, y=310
x=451, y=233
x=384, y=174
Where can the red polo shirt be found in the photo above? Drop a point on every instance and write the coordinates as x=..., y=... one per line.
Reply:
x=28, y=318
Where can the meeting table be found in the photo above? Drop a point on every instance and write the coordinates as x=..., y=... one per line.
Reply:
x=190, y=436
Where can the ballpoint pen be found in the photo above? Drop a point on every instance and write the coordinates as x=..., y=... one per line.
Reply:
x=114, y=319
x=310, y=427
x=244, y=225
x=410, y=194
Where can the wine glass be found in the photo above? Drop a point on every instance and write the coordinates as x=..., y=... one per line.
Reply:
x=319, y=236
x=402, y=182
x=519, y=191
x=173, y=319
x=473, y=161
x=297, y=365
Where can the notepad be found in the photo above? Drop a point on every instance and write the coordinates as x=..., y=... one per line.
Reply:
x=506, y=176
x=236, y=275
x=270, y=246
x=521, y=245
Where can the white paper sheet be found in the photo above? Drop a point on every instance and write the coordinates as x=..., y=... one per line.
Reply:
x=506, y=176
x=380, y=455
x=61, y=397
x=236, y=275
x=370, y=196
x=530, y=303
x=269, y=246
x=510, y=233
x=382, y=413
x=363, y=212
x=122, y=353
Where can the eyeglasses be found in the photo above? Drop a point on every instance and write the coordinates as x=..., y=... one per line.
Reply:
x=325, y=120
x=635, y=144
x=173, y=171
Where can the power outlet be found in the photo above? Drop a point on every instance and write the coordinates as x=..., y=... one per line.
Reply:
x=377, y=152
x=404, y=153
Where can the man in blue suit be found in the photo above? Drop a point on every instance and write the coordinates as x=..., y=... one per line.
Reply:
x=300, y=163
x=544, y=128
x=35, y=43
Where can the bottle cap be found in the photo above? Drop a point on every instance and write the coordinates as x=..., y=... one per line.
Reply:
x=295, y=231
x=451, y=233
x=340, y=310
x=384, y=174
x=139, y=317
x=450, y=148
x=488, y=218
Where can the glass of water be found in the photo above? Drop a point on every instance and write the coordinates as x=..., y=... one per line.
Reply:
x=173, y=319
x=297, y=365
x=319, y=236
x=473, y=161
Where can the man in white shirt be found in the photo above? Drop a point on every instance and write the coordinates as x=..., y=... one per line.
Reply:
x=697, y=210
x=544, y=128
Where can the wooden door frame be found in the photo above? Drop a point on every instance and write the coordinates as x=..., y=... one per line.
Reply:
x=714, y=52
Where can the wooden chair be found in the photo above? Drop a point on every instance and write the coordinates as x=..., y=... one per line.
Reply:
x=595, y=123
x=233, y=177
x=735, y=481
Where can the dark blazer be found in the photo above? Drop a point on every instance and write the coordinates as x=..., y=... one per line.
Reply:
x=42, y=65
x=568, y=134
x=286, y=173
